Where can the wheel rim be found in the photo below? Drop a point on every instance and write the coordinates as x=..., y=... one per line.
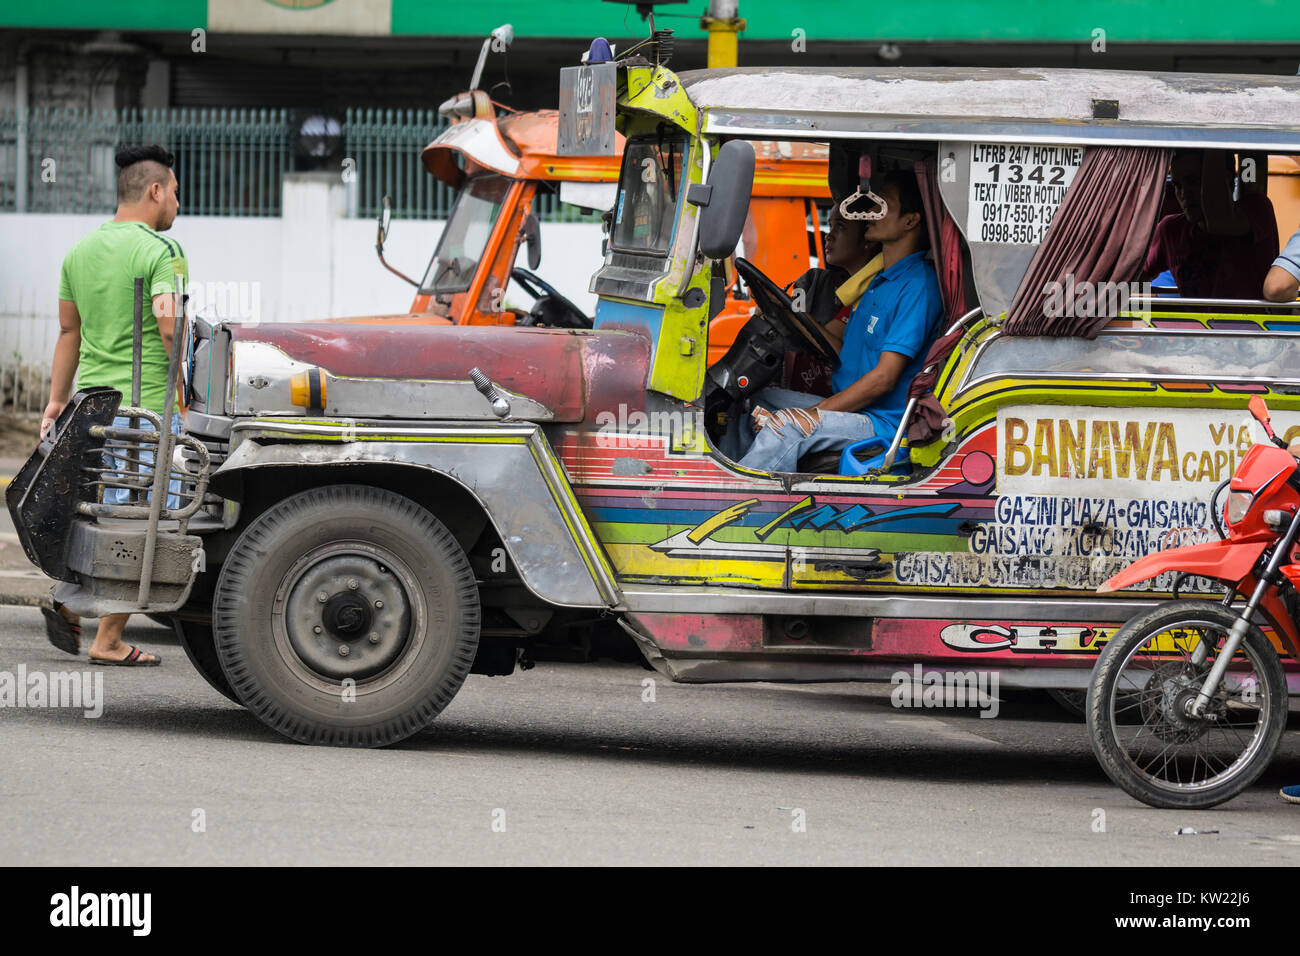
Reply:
x=1156, y=737
x=348, y=611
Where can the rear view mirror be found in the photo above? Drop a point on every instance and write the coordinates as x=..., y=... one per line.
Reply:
x=1259, y=408
x=533, y=236
x=724, y=201
x=385, y=220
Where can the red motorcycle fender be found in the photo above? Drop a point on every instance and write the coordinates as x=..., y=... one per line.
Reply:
x=1225, y=561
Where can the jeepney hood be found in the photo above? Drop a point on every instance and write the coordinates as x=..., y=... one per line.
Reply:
x=364, y=368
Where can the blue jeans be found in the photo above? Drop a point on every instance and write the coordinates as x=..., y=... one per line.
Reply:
x=773, y=450
x=122, y=496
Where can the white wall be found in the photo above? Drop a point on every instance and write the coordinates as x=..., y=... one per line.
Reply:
x=310, y=264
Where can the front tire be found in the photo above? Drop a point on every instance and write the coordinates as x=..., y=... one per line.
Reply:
x=196, y=640
x=1138, y=722
x=346, y=615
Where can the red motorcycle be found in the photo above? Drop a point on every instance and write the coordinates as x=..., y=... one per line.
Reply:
x=1188, y=701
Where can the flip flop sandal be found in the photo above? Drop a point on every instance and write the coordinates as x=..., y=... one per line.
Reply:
x=134, y=659
x=59, y=631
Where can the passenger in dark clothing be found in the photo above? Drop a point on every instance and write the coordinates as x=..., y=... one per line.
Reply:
x=1217, y=248
x=830, y=293
x=847, y=252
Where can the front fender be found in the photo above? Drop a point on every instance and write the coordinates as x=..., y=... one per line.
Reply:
x=1225, y=561
x=508, y=468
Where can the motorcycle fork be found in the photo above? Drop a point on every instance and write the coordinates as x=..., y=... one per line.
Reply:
x=1242, y=624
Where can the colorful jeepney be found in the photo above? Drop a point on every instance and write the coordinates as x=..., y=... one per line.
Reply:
x=390, y=507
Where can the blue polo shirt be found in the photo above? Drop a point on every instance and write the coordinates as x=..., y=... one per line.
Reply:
x=900, y=312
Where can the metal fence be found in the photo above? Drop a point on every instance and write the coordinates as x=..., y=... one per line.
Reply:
x=230, y=162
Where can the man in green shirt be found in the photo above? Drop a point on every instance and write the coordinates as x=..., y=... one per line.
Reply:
x=96, y=331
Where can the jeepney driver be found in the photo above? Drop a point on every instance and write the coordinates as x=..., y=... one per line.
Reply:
x=882, y=347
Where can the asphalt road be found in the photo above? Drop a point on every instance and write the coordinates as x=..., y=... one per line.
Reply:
x=567, y=763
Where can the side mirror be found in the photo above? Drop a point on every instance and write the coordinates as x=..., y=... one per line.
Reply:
x=1259, y=408
x=385, y=220
x=724, y=200
x=533, y=236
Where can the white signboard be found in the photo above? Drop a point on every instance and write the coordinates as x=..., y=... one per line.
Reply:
x=1015, y=190
x=1084, y=491
x=1158, y=453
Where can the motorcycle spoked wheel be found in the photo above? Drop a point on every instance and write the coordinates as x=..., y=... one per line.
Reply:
x=1137, y=722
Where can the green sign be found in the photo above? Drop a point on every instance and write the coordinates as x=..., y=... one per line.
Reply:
x=801, y=25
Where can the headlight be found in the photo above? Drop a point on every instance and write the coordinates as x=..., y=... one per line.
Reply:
x=1238, y=505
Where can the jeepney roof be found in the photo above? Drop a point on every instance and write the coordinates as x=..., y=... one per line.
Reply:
x=1020, y=105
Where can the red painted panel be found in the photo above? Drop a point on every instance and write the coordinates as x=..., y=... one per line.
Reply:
x=557, y=367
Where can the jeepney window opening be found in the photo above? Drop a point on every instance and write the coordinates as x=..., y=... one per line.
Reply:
x=645, y=212
x=465, y=235
x=1122, y=203
x=1142, y=354
x=1252, y=173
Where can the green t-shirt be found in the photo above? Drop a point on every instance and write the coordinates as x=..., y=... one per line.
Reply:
x=99, y=276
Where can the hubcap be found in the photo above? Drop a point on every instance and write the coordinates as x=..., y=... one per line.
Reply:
x=347, y=616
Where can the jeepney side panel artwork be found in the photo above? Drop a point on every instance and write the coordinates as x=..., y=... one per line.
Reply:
x=1053, y=486
x=675, y=515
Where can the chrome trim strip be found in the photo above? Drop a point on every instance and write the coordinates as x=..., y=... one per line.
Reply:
x=714, y=670
x=809, y=124
x=968, y=382
x=1232, y=303
x=1117, y=377
x=1085, y=609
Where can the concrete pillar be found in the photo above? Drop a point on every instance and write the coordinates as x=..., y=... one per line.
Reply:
x=312, y=201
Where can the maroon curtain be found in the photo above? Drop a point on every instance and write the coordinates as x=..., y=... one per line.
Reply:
x=945, y=240
x=928, y=416
x=1099, y=234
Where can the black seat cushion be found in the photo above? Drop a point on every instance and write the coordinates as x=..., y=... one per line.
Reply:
x=821, y=463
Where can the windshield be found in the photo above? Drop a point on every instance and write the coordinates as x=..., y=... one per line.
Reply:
x=465, y=236
x=647, y=195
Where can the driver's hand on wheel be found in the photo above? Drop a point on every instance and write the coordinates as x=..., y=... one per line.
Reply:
x=807, y=420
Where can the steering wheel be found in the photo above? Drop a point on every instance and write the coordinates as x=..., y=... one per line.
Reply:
x=799, y=329
x=551, y=308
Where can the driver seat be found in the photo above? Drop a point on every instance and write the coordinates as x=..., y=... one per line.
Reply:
x=820, y=463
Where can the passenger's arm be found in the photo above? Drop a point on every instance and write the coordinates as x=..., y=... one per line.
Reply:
x=879, y=381
x=164, y=308
x=1282, y=282
x=67, y=354
x=1280, y=285
x=834, y=330
x=1223, y=217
